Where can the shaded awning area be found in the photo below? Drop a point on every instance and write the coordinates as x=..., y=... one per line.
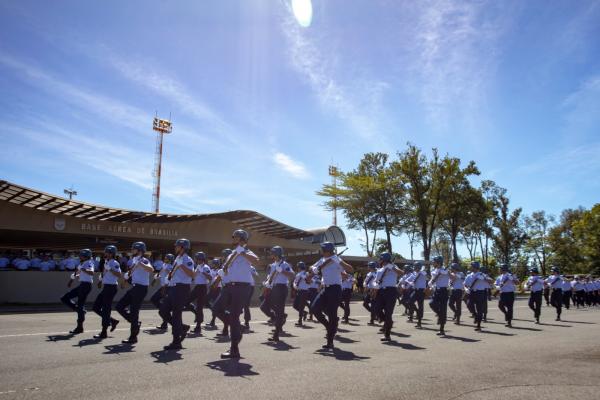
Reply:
x=246, y=219
x=333, y=234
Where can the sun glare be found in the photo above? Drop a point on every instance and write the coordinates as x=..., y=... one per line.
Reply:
x=303, y=12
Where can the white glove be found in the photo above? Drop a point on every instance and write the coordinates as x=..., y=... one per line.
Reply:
x=126, y=276
x=72, y=276
x=279, y=269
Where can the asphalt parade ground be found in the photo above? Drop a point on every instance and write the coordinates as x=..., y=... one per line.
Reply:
x=554, y=360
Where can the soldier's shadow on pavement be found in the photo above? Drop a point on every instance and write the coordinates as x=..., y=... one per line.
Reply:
x=399, y=334
x=155, y=331
x=341, y=355
x=343, y=339
x=232, y=368
x=166, y=356
x=488, y=332
x=119, y=348
x=280, y=346
x=524, y=328
x=405, y=346
x=59, y=338
x=87, y=342
x=578, y=322
x=460, y=338
x=558, y=325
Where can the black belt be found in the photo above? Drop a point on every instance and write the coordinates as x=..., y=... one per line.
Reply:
x=182, y=284
x=280, y=284
x=237, y=284
x=335, y=284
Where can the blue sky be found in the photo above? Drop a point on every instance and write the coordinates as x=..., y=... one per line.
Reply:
x=261, y=105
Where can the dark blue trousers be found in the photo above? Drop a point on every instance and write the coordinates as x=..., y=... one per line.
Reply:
x=172, y=308
x=325, y=307
x=439, y=304
x=229, y=307
x=535, y=303
x=133, y=299
x=506, y=305
x=103, y=304
x=455, y=302
x=81, y=293
x=386, y=302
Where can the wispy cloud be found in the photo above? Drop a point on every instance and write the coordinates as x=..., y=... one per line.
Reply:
x=581, y=111
x=358, y=104
x=291, y=166
x=579, y=161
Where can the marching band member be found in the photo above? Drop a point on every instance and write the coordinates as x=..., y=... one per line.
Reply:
x=535, y=284
x=554, y=282
x=418, y=280
x=85, y=274
x=235, y=292
x=369, y=285
x=329, y=268
x=109, y=284
x=347, y=285
x=178, y=293
x=457, y=282
x=202, y=278
x=139, y=273
x=301, y=285
x=387, y=291
x=506, y=283
x=280, y=273
x=163, y=277
x=440, y=279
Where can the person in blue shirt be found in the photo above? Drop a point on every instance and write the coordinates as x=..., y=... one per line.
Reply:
x=440, y=280
x=457, y=282
x=85, y=274
x=162, y=276
x=368, y=298
x=347, y=288
x=247, y=315
x=238, y=270
x=418, y=281
x=109, y=283
x=507, y=284
x=330, y=268
x=554, y=282
x=279, y=275
x=139, y=275
x=178, y=293
x=476, y=283
x=215, y=288
x=301, y=285
x=535, y=284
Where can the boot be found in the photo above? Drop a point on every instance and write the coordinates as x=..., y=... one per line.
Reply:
x=173, y=346
x=113, y=324
x=77, y=330
x=102, y=335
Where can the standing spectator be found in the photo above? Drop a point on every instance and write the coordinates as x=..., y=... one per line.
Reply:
x=4, y=261
x=47, y=264
x=71, y=263
x=21, y=263
x=35, y=261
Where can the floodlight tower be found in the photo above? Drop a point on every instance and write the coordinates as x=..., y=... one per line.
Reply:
x=334, y=172
x=70, y=192
x=161, y=127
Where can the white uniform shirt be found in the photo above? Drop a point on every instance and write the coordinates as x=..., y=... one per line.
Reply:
x=505, y=283
x=459, y=281
x=87, y=265
x=316, y=282
x=280, y=278
x=535, y=283
x=163, y=275
x=348, y=283
x=418, y=279
x=179, y=276
x=387, y=276
x=108, y=278
x=476, y=281
x=200, y=278
x=300, y=281
x=239, y=270
x=439, y=278
x=139, y=276
x=369, y=282
x=331, y=274
x=254, y=274
x=566, y=285
x=554, y=281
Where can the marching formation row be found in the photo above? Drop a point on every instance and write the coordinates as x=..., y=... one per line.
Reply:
x=319, y=290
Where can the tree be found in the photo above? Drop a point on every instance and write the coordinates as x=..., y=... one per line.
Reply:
x=565, y=247
x=426, y=182
x=508, y=235
x=537, y=228
x=587, y=231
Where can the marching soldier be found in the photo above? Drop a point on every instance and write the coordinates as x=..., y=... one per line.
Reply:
x=109, y=284
x=387, y=292
x=329, y=268
x=566, y=292
x=506, y=284
x=476, y=282
x=578, y=291
x=440, y=279
x=85, y=274
x=178, y=293
x=369, y=283
x=215, y=288
x=247, y=315
x=347, y=285
x=238, y=269
x=301, y=285
x=554, y=282
x=535, y=284
x=313, y=291
x=202, y=278
x=158, y=296
x=488, y=291
x=406, y=290
x=139, y=273
x=457, y=282
x=418, y=280
x=280, y=273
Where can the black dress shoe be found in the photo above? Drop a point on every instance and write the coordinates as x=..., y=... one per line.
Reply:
x=386, y=339
x=173, y=346
x=113, y=325
x=198, y=329
x=230, y=354
x=186, y=329
x=131, y=340
x=328, y=346
x=76, y=331
x=101, y=335
x=163, y=326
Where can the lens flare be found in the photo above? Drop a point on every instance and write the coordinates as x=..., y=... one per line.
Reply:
x=303, y=12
